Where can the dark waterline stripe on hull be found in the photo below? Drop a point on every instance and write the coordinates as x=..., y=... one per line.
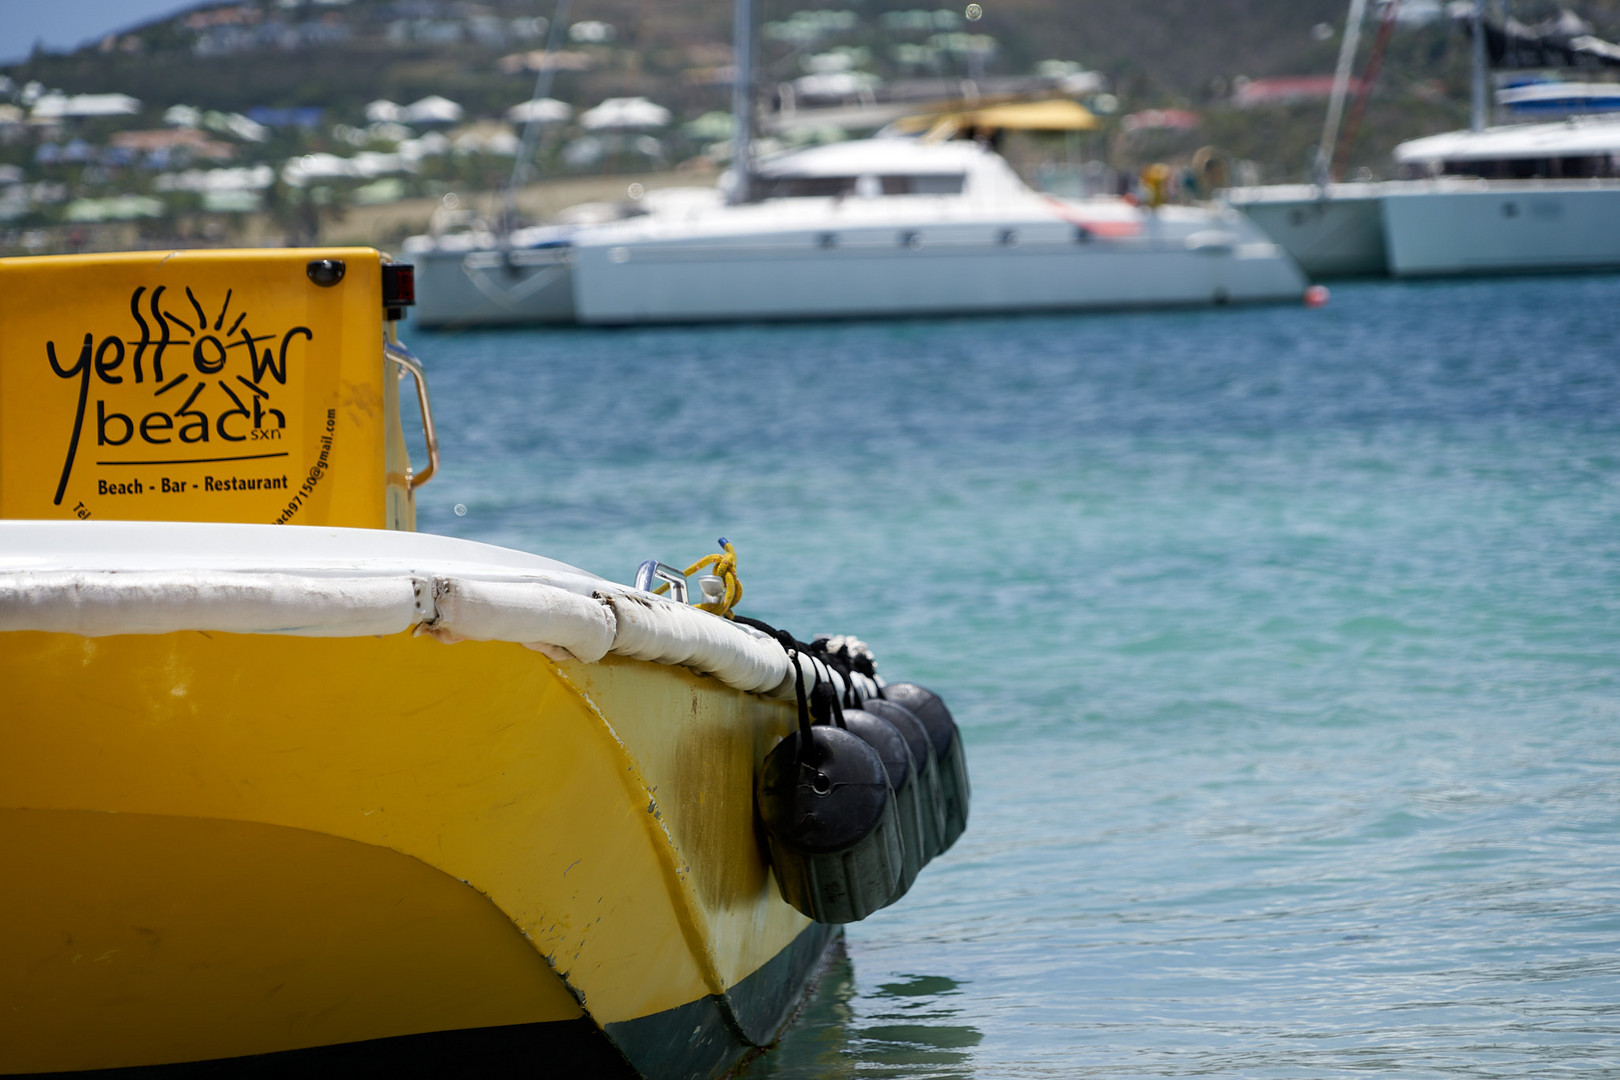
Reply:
x=697, y=1040
x=560, y=1048
x=706, y=1037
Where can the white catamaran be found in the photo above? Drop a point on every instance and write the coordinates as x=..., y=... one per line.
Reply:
x=888, y=226
x=1492, y=199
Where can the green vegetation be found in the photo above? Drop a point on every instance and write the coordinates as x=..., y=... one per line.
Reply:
x=334, y=58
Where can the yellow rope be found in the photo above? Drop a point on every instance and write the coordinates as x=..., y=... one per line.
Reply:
x=725, y=568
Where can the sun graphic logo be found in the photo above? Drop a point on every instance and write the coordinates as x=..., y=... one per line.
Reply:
x=189, y=384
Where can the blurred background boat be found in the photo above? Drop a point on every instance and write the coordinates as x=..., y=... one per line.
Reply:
x=876, y=227
x=1494, y=198
x=928, y=220
x=1509, y=198
x=912, y=226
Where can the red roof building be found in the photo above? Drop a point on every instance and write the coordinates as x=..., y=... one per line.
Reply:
x=1247, y=93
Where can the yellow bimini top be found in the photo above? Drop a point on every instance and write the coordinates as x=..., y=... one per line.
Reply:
x=1057, y=114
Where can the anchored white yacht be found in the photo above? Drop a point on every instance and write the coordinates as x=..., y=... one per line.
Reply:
x=900, y=226
x=875, y=227
x=1331, y=230
x=1516, y=198
x=476, y=278
x=870, y=228
x=1509, y=198
x=1525, y=197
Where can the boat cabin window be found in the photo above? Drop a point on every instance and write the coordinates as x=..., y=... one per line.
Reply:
x=924, y=185
x=799, y=187
x=1545, y=168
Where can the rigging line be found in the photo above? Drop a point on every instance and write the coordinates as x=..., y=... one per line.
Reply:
x=1341, y=81
x=542, y=89
x=742, y=101
x=1369, y=76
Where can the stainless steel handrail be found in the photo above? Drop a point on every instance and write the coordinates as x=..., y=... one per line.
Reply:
x=409, y=361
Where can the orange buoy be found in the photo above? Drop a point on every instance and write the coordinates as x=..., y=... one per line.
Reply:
x=1316, y=296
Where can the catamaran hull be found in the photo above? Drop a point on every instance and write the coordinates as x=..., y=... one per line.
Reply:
x=378, y=849
x=1333, y=233
x=1456, y=227
x=1014, y=267
x=1444, y=227
x=491, y=287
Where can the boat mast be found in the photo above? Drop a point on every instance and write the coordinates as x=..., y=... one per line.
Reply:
x=531, y=125
x=1369, y=78
x=1341, y=83
x=742, y=101
x=1478, y=119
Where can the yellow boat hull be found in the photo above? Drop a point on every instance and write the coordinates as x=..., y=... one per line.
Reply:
x=331, y=833
x=216, y=845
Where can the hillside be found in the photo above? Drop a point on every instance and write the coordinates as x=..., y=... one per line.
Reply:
x=331, y=58
x=1157, y=52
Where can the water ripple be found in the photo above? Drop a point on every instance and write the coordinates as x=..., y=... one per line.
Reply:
x=1286, y=643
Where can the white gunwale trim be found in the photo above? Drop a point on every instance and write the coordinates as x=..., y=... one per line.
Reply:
x=103, y=578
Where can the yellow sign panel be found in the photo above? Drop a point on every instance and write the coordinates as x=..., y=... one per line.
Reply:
x=193, y=386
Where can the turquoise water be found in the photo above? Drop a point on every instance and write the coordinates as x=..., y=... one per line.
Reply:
x=1285, y=642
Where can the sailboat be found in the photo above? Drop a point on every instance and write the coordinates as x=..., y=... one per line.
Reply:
x=1492, y=199
x=501, y=273
x=911, y=224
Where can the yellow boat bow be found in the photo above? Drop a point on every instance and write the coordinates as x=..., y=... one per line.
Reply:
x=279, y=776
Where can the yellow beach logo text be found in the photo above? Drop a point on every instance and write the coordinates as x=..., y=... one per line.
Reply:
x=191, y=383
